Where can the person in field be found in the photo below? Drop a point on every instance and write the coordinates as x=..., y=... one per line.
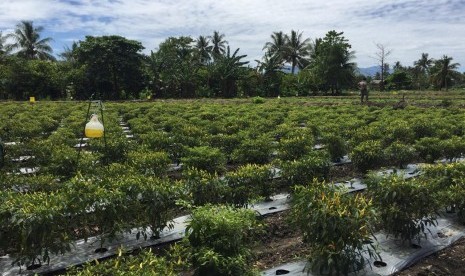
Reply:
x=363, y=85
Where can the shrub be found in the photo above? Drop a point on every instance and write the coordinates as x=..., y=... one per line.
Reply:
x=406, y=207
x=149, y=163
x=399, y=154
x=144, y=263
x=227, y=143
x=367, y=155
x=204, y=187
x=156, y=199
x=114, y=150
x=335, y=225
x=156, y=140
x=453, y=147
x=429, y=148
x=336, y=147
x=294, y=147
x=258, y=100
x=398, y=131
x=249, y=181
x=449, y=184
x=302, y=171
x=34, y=226
x=253, y=151
x=205, y=158
x=220, y=238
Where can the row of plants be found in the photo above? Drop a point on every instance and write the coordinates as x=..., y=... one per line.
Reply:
x=229, y=150
x=338, y=228
x=44, y=216
x=218, y=242
x=238, y=133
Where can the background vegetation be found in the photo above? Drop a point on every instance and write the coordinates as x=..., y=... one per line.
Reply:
x=115, y=68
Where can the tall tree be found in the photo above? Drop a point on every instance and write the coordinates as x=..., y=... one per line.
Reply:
x=69, y=53
x=297, y=50
x=276, y=46
x=270, y=68
x=226, y=71
x=219, y=44
x=422, y=69
x=177, y=67
x=332, y=61
x=381, y=56
x=3, y=47
x=398, y=66
x=424, y=63
x=443, y=71
x=204, y=49
x=112, y=66
x=28, y=43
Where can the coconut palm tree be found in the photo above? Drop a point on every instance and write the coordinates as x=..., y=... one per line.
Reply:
x=227, y=70
x=276, y=46
x=219, y=44
x=3, y=49
x=422, y=69
x=204, y=49
x=424, y=63
x=297, y=50
x=68, y=53
x=444, y=70
x=270, y=68
x=28, y=43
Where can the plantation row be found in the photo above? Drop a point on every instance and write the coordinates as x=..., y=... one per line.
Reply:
x=338, y=227
x=229, y=151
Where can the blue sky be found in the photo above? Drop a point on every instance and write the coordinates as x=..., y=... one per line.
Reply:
x=407, y=27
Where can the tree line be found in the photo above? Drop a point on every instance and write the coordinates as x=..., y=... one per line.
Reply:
x=114, y=68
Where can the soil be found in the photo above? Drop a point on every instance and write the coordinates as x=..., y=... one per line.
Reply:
x=449, y=261
x=279, y=244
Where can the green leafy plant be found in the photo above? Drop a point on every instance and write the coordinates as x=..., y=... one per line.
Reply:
x=144, y=263
x=336, y=226
x=149, y=163
x=336, y=146
x=453, y=147
x=367, y=155
x=448, y=181
x=205, y=158
x=302, y=171
x=399, y=154
x=220, y=238
x=405, y=207
x=429, y=148
x=204, y=187
x=249, y=181
x=294, y=147
x=34, y=226
x=253, y=151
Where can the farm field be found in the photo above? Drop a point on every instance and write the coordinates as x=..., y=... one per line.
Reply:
x=163, y=159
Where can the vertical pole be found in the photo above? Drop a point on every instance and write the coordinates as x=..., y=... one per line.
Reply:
x=103, y=123
x=82, y=138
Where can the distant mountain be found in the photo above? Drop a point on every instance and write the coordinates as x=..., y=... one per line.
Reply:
x=369, y=71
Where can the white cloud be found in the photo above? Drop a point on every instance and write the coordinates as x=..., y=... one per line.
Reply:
x=408, y=27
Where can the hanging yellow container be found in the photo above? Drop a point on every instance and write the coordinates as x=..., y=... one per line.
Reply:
x=32, y=100
x=94, y=129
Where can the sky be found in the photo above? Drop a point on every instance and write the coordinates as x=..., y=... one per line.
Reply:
x=406, y=27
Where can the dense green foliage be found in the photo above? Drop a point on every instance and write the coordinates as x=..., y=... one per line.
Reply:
x=113, y=67
x=231, y=152
x=220, y=238
x=336, y=227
